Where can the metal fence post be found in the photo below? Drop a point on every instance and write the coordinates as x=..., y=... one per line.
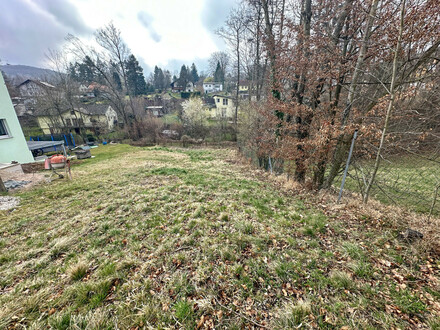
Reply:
x=347, y=165
x=54, y=147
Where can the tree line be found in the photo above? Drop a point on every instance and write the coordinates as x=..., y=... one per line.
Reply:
x=325, y=68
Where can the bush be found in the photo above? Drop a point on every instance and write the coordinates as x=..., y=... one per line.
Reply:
x=146, y=130
x=194, y=117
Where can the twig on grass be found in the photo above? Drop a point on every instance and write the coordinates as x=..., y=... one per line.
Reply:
x=181, y=248
x=241, y=315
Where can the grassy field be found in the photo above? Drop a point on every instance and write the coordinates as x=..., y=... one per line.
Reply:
x=175, y=238
x=404, y=181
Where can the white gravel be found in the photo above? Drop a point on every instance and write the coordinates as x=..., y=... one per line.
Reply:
x=8, y=202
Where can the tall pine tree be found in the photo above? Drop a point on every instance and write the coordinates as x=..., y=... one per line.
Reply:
x=194, y=74
x=219, y=75
x=184, y=77
x=158, y=78
x=167, y=79
x=135, y=77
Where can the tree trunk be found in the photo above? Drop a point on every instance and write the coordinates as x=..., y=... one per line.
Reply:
x=238, y=86
x=271, y=49
x=2, y=186
x=303, y=123
x=343, y=143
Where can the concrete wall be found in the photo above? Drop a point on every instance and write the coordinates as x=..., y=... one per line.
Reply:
x=12, y=147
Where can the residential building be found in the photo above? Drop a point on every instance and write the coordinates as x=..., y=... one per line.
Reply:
x=32, y=88
x=224, y=106
x=96, y=117
x=243, y=87
x=13, y=145
x=212, y=87
x=154, y=110
x=176, y=87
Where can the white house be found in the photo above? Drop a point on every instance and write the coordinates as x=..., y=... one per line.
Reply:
x=189, y=87
x=13, y=146
x=212, y=87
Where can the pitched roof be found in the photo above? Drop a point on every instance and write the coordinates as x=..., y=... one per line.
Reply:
x=224, y=96
x=87, y=109
x=94, y=108
x=38, y=82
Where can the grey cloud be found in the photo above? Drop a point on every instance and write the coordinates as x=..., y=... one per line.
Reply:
x=26, y=34
x=175, y=64
x=66, y=14
x=214, y=13
x=146, y=20
x=213, y=16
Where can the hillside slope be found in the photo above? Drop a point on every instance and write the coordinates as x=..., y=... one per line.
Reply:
x=158, y=237
x=19, y=73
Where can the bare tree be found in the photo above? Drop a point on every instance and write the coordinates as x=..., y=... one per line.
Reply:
x=235, y=26
x=218, y=57
x=392, y=92
x=110, y=57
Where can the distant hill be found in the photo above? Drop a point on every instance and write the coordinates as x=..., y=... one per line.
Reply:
x=19, y=73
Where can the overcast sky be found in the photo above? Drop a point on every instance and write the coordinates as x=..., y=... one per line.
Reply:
x=167, y=33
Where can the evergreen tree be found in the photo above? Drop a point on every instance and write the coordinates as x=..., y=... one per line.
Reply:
x=117, y=81
x=183, y=77
x=72, y=71
x=135, y=77
x=167, y=79
x=158, y=78
x=84, y=72
x=219, y=75
x=194, y=74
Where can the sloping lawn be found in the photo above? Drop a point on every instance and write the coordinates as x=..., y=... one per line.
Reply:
x=160, y=238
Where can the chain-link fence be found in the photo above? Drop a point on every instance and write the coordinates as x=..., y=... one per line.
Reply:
x=408, y=176
x=404, y=178
x=409, y=171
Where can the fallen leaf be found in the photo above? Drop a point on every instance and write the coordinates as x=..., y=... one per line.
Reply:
x=201, y=321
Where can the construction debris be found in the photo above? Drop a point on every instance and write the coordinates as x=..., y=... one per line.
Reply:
x=12, y=184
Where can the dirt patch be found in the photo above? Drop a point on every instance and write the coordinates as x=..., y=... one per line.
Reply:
x=31, y=178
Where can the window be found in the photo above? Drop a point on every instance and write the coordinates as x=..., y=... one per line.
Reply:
x=68, y=122
x=3, y=129
x=72, y=112
x=225, y=101
x=218, y=100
